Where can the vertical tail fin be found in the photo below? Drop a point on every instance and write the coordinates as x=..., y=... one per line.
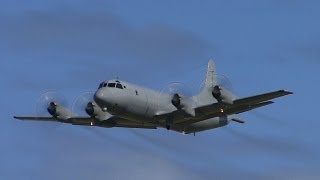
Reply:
x=205, y=96
x=211, y=79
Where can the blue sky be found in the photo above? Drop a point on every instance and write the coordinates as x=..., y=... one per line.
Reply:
x=72, y=46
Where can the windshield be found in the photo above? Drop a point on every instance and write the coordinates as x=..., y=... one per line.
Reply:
x=119, y=86
x=112, y=85
x=100, y=86
x=116, y=84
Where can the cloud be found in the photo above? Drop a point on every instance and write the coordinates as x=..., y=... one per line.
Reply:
x=309, y=50
x=100, y=33
x=71, y=152
x=93, y=46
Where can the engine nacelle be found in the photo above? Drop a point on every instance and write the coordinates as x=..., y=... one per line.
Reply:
x=93, y=110
x=222, y=95
x=58, y=111
x=183, y=103
x=90, y=109
x=176, y=101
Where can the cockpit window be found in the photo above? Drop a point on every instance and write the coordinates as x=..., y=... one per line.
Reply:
x=112, y=85
x=119, y=86
x=116, y=84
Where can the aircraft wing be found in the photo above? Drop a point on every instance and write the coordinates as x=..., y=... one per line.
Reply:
x=215, y=112
x=242, y=102
x=262, y=97
x=74, y=120
x=35, y=118
x=112, y=121
x=251, y=101
x=238, y=106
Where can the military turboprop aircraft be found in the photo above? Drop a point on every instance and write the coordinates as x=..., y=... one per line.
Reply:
x=122, y=104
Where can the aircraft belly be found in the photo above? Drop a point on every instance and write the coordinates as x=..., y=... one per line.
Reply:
x=133, y=117
x=207, y=124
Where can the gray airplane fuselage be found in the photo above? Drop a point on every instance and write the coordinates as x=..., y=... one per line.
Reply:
x=142, y=105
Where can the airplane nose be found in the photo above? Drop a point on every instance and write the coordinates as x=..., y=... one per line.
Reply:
x=99, y=96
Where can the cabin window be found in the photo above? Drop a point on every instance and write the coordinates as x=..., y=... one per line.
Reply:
x=136, y=92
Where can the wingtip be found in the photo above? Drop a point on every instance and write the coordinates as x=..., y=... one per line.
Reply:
x=288, y=92
x=17, y=117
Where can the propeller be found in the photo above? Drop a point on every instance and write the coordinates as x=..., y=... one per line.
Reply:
x=179, y=96
x=48, y=103
x=222, y=89
x=51, y=103
x=83, y=105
